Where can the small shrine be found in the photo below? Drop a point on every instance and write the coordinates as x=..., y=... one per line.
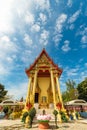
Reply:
x=44, y=86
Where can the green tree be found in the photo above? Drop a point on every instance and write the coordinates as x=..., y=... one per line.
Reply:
x=71, y=91
x=82, y=90
x=70, y=84
x=3, y=92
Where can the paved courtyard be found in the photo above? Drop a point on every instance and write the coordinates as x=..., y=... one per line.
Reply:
x=18, y=125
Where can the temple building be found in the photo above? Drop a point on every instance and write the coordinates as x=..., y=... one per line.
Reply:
x=44, y=86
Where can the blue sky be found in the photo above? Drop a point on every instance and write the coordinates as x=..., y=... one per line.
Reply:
x=28, y=26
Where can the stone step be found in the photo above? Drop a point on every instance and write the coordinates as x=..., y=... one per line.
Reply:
x=40, y=111
x=38, y=106
x=47, y=111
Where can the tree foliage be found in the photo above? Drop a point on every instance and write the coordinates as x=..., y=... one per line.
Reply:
x=70, y=84
x=82, y=90
x=71, y=91
x=3, y=92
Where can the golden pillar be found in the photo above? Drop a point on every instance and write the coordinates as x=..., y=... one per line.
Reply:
x=34, y=85
x=28, y=93
x=60, y=98
x=59, y=93
x=53, y=88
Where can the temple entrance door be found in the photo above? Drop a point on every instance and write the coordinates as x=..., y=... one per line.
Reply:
x=36, y=97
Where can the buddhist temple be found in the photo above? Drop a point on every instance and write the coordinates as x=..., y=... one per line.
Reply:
x=44, y=87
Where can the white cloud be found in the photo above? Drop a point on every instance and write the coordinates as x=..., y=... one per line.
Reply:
x=71, y=27
x=66, y=47
x=74, y=17
x=42, y=4
x=44, y=37
x=6, y=45
x=83, y=75
x=3, y=70
x=84, y=39
x=5, y=16
x=28, y=40
x=69, y=4
x=15, y=14
x=66, y=42
x=82, y=30
x=44, y=34
x=63, y=85
x=57, y=38
x=66, y=69
x=10, y=59
x=22, y=7
x=8, y=52
x=35, y=28
x=83, y=46
x=60, y=21
x=43, y=17
x=27, y=57
x=29, y=18
x=7, y=49
x=72, y=72
x=59, y=28
x=18, y=92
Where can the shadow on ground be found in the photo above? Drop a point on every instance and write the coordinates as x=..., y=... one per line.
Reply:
x=22, y=127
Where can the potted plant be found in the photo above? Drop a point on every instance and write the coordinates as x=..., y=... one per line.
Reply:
x=43, y=120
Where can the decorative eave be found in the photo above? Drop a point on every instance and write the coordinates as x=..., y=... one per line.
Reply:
x=36, y=60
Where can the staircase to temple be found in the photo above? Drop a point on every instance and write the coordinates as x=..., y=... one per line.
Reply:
x=47, y=111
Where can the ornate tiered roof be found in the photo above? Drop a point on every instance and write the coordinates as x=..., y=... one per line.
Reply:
x=43, y=57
